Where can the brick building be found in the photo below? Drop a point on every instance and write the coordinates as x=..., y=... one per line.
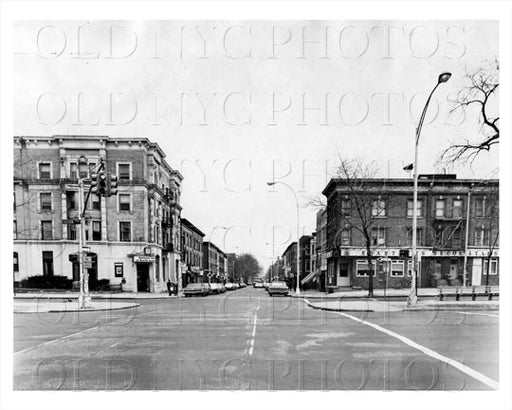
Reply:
x=289, y=258
x=214, y=263
x=191, y=252
x=444, y=219
x=132, y=236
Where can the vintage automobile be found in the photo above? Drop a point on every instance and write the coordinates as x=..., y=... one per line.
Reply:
x=258, y=283
x=230, y=286
x=277, y=288
x=201, y=289
x=217, y=288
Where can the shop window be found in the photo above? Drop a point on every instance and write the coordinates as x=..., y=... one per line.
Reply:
x=362, y=268
x=494, y=267
x=397, y=268
x=16, y=266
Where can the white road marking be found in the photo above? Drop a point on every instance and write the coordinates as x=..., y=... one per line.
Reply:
x=429, y=352
x=55, y=340
x=476, y=314
x=253, y=335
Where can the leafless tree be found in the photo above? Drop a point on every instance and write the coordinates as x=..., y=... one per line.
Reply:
x=480, y=93
x=356, y=177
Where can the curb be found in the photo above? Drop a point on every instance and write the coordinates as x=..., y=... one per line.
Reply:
x=133, y=305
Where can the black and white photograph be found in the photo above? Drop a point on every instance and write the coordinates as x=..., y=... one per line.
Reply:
x=249, y=205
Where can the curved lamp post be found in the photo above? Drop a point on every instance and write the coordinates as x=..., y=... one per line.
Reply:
x=413, y=296
x=297, y=285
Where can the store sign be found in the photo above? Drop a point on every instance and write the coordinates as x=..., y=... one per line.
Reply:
x=143, y=259
x=395, y=252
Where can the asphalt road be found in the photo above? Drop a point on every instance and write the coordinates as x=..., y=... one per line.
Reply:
x=245, y=340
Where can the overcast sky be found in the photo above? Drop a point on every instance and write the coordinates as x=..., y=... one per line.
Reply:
x=229, y=103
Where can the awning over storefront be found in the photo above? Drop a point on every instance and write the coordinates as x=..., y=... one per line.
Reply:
x=309, y=277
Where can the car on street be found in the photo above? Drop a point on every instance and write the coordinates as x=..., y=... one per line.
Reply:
x=243, y=285
x=230, y=286
x=258, y=283
x=217, y=288
x=277, y=288
x=197, y=289
x=266, y=285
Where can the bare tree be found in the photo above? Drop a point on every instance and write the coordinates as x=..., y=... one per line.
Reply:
x=481, y=93
x=358, y=181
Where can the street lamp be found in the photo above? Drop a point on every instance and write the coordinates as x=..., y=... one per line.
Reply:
x=297, y=286
x=413, y=297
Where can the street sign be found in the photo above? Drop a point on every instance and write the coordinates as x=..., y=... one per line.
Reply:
x=86, y=248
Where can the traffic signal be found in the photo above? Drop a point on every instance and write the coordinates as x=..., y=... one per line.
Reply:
x=94, y=183
x=111, y=184
x=101, y=189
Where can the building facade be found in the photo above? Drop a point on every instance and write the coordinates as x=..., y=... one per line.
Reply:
x=191, y=253
x=289, y=258
x=214, y=263
x=457, y=232
x=132, y=237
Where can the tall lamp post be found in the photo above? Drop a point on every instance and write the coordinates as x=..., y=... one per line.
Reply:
x=413, y=296
x=297, y=285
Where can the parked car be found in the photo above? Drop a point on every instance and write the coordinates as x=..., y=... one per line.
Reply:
x=258, y=283
x=192, y=289
x=278, y=288
x=230, y=286
x=243, y=285
x=266, y=285
x=217, y=288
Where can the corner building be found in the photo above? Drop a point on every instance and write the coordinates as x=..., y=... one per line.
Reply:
x=133, y=237
x=458, y=226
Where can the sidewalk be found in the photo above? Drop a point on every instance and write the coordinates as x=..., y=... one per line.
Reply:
x=95, y=295
x=372, y=305
x=350, y=293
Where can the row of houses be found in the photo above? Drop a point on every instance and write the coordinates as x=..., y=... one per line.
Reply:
x=457, y=235
x=136, y=238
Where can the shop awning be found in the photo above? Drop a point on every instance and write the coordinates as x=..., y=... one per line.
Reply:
x=309, y=277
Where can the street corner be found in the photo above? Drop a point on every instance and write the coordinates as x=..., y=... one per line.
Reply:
x=357, y=305
x=70, y=305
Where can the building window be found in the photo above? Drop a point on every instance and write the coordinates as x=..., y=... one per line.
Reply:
x=72, y=202
x=124, y=202
x=71, y=231
x=345, y=237
x=73, y=171
x=480, y=236
x=45, y=200
x=47, y=263
x=346, y=207
x=46, y=230
x=397, y=268
x=16, y=266
x=419, y=208
x=362, y=268
x=378, y=208
x=456, y=238
x=123, y=172
x=96, y=202
x=125, y=231
x=419, y=236
x=480, y=207
x=494, y=267
x=378, y=236
x=45, y=170
x=118, y=270
x=96, y=230
x=457, y=208
x=157, y=268
x=15, y=229
x=440, y=207
x=409, y=268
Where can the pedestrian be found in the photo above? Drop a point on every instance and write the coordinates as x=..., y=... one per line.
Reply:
x=169, y=286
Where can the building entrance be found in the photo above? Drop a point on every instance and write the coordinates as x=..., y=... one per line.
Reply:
x=142, y=277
